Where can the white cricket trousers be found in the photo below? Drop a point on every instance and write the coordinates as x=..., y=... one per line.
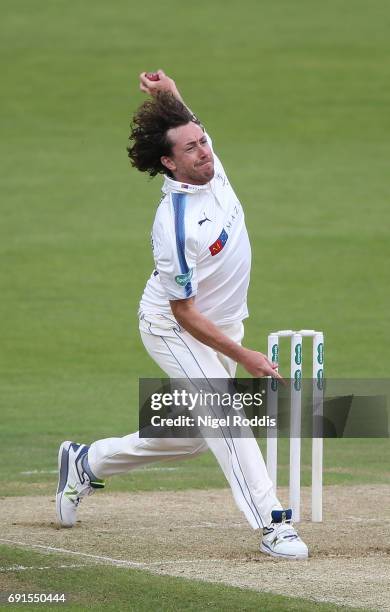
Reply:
x=181, y=356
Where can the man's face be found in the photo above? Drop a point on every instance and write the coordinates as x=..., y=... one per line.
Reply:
x=191, y=160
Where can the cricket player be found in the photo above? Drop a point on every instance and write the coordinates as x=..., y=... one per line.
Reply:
x=191, y=316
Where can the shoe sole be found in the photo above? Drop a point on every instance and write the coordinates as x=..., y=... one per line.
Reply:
x=63, y=468
x=268, y=551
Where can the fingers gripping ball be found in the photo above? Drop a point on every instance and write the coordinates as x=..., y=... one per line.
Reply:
x=152, y=76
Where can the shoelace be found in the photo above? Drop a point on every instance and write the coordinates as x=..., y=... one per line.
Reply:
x=78, y=499
x=86, y=490
x=286, y=531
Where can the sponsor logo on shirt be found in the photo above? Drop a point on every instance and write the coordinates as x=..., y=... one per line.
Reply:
x=183, y=279
x=233, y=216
x=221, y=177
x=218, y=245
x=203, y=220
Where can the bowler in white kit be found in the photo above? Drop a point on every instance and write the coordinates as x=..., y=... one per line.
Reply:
x=190, y=317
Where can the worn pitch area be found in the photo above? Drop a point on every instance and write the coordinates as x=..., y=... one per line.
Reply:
x=202, y=535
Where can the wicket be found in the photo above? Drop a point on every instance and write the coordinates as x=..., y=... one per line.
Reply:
x=295, y=422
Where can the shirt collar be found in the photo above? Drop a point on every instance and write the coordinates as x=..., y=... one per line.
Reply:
x=172, y=185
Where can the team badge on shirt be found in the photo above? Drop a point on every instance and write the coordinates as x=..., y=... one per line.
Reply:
x=218, y=245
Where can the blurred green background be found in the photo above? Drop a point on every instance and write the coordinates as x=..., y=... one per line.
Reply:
x=296, y=98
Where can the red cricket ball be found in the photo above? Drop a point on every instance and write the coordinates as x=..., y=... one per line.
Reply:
x=152, y=76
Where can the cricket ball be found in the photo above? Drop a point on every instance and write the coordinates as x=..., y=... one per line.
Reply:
x=152, y=76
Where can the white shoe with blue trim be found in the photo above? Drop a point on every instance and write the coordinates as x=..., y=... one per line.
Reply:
x=281, y=540
x=74, y=482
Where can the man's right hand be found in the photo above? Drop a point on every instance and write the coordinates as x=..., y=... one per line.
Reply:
x=165, y=83
x=258, y=364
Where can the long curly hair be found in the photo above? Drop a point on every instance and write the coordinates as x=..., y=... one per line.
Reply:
x=148, y=136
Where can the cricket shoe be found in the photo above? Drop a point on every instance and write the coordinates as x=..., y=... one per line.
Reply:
x=75, y=481
x=281, y=540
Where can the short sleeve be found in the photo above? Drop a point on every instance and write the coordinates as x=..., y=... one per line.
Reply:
x=175, y=249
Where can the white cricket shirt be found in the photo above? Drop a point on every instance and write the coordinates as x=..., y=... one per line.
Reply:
x=201, y=249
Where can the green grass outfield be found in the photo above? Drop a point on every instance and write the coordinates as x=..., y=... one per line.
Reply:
x=110, y=588
x=295, y=96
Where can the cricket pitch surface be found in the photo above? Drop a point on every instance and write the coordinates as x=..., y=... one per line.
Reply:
x=201, y=535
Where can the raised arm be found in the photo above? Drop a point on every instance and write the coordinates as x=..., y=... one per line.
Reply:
x=164, y=83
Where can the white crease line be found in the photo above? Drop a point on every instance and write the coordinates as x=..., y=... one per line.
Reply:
x=109, y=560
x=29, y=473
x=197, y=526
x=360, y=519
x=77, y=553
x=176, y=561
x=146, y=469
x=160, y=469
x=20, y=568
